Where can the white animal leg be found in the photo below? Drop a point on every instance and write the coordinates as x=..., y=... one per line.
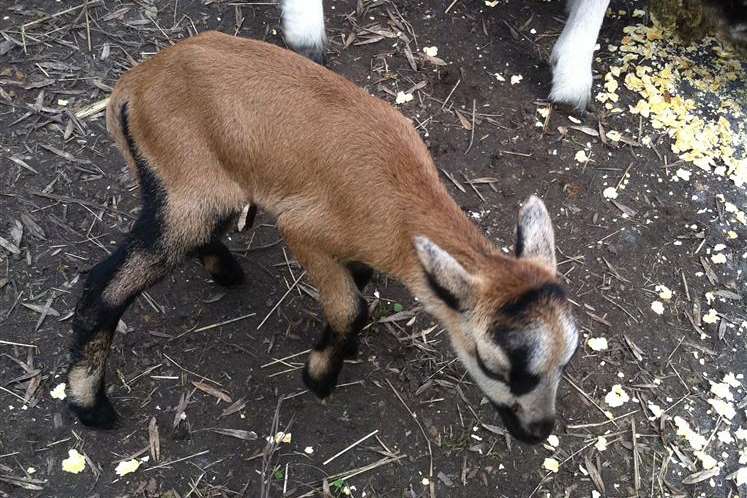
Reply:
x=303, y=27
x=573, y=53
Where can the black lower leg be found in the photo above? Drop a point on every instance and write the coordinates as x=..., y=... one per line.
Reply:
x=220, y=263
x=93, y=326
x=361, y=274
x=100, y=415
x=333, y=348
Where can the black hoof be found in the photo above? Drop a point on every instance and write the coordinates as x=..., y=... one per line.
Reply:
x=230, y=274
x=99, y=416
x=320, y=387
x=315, y=53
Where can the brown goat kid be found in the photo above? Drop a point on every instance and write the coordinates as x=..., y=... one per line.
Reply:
x=216, y=122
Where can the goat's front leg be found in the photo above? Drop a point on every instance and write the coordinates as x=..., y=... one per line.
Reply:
x=345, y=312
x=573, y=53
x=303, y=28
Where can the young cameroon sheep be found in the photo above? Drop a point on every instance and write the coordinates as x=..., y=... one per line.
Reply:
x=216, y=122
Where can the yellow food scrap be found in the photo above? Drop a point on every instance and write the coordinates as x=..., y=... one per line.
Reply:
x=601, y=444
x=581, y=157
x=58, y=392
x=430, y=51
x=74, y=463
x=617, y=396
x=551, y=464
x=597, y=343
x=687, y=92
x=127, y=467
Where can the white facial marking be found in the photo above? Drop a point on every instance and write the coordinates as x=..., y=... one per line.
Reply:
x=303, y=23
x=497, y=392
x=573, y=53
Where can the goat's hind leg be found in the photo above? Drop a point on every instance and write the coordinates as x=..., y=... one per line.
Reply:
x=218, y=260
x=158, y=242
x=220, y=263
x=109, y=289
x=361, y=274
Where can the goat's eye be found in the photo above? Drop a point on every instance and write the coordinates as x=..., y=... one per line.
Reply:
x=488, y=372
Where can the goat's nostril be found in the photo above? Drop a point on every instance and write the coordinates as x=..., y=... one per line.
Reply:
x=542, y=428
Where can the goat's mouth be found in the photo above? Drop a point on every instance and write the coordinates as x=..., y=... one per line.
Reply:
x=515, y=428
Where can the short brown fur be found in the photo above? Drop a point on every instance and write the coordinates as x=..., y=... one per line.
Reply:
x=203, y=112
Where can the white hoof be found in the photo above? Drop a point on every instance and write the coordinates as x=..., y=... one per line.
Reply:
x=574, y=51
x=303, y=27
x=571, y=77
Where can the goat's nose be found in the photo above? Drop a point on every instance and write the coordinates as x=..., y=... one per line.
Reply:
x=541, y=428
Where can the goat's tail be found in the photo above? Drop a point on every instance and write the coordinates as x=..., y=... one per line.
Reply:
x=117, y=122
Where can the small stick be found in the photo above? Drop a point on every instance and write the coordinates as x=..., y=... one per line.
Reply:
x=608, y=236
x=350, y=447
x=348, y=474
x=285, y=481
x=687, y=291
x=177, y=460
x=144, y=373
x=88, y=28
x=620, y=306
x=283, y=372
x=194, y=485
x=450, y=93
x=282, y=360
x=453, y=180
x=588, y=398
x=471, y=184
x=598, y=424
x=622, y=178
x=13, y=394
x=226, y=322
x=472, y=136
x=450, y=6
x=511, y=153
x=191, y=372
x=11, y=343
x=636, y=470
x=427, y=439
x=60, y=13
x=290, y=270
x=295, y=282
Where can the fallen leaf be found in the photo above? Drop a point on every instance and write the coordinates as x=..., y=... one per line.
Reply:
x=212, y=391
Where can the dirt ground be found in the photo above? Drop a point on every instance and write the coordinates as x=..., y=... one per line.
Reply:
x=190, y=369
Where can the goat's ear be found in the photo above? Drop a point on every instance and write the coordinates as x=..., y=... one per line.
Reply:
x=534, y=234
x=446, y=277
